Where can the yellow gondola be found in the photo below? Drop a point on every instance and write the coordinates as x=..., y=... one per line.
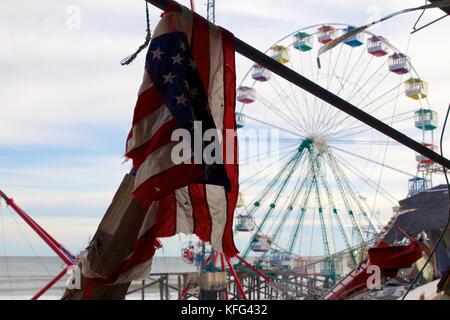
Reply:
x=416, y=88
x=280, y=54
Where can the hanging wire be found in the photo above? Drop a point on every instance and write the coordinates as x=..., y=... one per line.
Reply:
x=131, y=57
x=426, y=25
x=5, y=254
x=448, y=219
x=418, y=19
x=429, y=23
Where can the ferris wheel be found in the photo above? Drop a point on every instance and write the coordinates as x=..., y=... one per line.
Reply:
x=312, y=177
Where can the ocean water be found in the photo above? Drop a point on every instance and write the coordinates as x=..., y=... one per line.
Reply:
x=22, y=277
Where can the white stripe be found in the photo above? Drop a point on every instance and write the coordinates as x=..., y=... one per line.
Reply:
x=172, y=22
x=148, y=126
x=216, y=85
x=217, y=203
x=158, y=161
x=185, y=219
x=146, y=84
x=149, y=220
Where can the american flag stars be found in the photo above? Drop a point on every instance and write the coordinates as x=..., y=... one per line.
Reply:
x=177, y=59
x=182, y=46
x=171, y=66
x=157, y=53
x=192, y=64
x=168, y=78
x=181, y=99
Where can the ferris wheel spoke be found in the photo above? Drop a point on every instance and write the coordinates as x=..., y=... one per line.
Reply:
x=292, y=203
x=285, y=96
x=300, y=218
x=373, y=161
x=329, y=75
x=353, y=131
x=338, y=115
x=313, y=105
x=366, y=180
x=305, y=99
x=335, y=112
x=275, y=126
x=325, y=237
x=280, y=113
x=359, y=103
x=327, y=116
x=346, y=116
x=246, y=161
x=356, y=63
x=373, y=110
x=359, y=89
x=383, y=104
x=384, y=94
x=283, y=156
x=284, y=170
x=306, y=123
x=346, y=200
x=353, y=197
x=363, y=142
x=296, y=159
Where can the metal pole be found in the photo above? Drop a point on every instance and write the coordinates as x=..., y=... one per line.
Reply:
x=290, y=75
x=236, y=278
x=52, y=243
x=50, y=284
x=223, y=270
x=193, y=5
x=262, y=275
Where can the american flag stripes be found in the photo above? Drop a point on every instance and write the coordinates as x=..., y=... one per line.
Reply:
x=189, y=77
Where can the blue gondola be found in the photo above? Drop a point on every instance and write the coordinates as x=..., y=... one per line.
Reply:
x=354, y=41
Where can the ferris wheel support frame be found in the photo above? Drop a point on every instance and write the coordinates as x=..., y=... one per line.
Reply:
x=293, y=77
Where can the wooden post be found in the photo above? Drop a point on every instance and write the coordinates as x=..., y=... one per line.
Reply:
x=258, y=286
x=143, y=290
x=179, y=287
x=166, y=293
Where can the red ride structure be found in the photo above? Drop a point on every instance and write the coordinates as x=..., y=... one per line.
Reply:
x=63, y=253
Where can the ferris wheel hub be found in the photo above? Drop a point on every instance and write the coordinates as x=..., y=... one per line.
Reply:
x=319, y=142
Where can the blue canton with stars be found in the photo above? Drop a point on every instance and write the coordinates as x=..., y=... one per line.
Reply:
x=172, y=68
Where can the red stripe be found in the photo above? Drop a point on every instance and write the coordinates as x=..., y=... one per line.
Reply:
x=162, y=184
x=87, y=294
x=161, y=137
x=229, y=122
x=167, y=216
x=200, y=211
x=197, y=192
x=200, y=49
x=147, y=102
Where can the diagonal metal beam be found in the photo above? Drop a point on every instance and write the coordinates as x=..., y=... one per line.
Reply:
x=290, y=75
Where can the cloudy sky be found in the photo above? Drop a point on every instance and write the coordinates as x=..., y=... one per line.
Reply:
x=66, y=102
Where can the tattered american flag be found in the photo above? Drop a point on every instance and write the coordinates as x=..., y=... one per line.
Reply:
x=189, y=76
